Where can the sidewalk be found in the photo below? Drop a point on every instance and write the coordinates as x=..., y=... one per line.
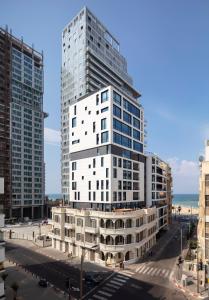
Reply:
x=28, y=285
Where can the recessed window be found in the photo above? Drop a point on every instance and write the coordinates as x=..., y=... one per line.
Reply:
x=94, y=196
x=75, y=142
x=94, y=126
x=74, y=165
x=116, y=98
x=102, y=161
x=102, y=184
x=102, y=196
x=114, y=173
x=97, y=112
x=94, y=163
x=91, y=38
x=89, y=28
x=89, y=185
x=94, y=172
x=107, y=196
x=104, y=137
x=89, y=196
x=104, y=109
x=89, y=166
x=72, y=175
x=104, y=96
x=114, y=161
x=74, y=122
x=97, y=99
x=114, y=196
x=97, y=185
x=75, y=110
x=72, y=133
x=103, y=124
x=85, y=132
x=85, y=107
x=97, y=139
x=82, y=177
x=107, y=172
x=74, y=185
x=107, y=184
x=89, y=112
x=116, y=111
x=82, y=122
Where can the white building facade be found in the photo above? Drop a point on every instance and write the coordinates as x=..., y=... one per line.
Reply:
x=105, y=175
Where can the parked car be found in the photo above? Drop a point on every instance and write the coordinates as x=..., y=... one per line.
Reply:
x=92, y=278
x=42, y=283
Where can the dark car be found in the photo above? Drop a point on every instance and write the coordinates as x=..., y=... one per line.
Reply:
x=93, y=279
x=42, y=283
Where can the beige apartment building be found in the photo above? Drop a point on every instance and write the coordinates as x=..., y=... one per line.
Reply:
x=203, y=225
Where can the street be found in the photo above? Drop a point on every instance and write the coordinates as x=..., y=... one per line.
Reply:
x=149, y=279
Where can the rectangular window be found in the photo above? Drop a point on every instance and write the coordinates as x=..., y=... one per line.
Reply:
x=94, y=126
x=124, y=196
x=135, y=195
x=97, y=99
x=94, y=196
x=104, y=96
x=114, y=173
x=136, y=166
x=72, y=175
x=135, y=176
x=94, y=163
x=107, y=184
x=114, y=196
x=119, y=162
x=74, y=166
x=121, y=127
x=107, y=173
x=136, y=134
x=104, y=137
x=122, y=140
x=131, y=108
x=114, y=161
x=103, y=124
x=135, y=186
x=136, y=123
x=75, y=110
x=116, y=98
x=102, y=196
x=74, y=185
x=119, y=184
x=73, y=122
x=137, y=146
x=78, y=195
x=89, y=196
x=97, y=184
x=89, y=185
x=116, y=111
x=102, y=184
x=107, y=196
x=104, y=109
x=75, y=195
x=102, y=161
x=119, y=196
x=127, y=117
x=97, y=138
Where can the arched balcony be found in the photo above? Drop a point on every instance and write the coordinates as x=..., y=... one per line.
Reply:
x=119, y=224
x=119, y=240
x=128, y=223
x=129, y=239
x=109, y=224
x=109, y=240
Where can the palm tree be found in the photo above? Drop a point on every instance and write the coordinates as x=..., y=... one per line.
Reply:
x=179, y=209
x=15, y=288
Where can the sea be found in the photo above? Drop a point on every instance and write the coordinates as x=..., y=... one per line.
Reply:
x=188, y=200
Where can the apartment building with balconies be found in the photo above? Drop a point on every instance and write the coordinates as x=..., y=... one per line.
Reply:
x=203, y=222
x=108, y=237
x=2, y=242
x=159, y=188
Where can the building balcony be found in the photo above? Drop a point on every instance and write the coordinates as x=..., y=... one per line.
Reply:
x=70, y=239
x=92, y=230
x=70, y=225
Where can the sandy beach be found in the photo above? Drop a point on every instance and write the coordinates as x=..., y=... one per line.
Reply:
x=186, y=210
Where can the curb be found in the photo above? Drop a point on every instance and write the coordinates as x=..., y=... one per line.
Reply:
x=187, y=291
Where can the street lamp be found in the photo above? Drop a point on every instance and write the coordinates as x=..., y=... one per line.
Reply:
x=81, y=269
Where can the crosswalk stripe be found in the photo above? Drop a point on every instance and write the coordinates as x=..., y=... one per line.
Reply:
x=108, y=289
x=153, y=272
x=128, y=272
x=105, y=293
x=141, y=269
x=120, y=279
x=158, y=271
x=145, y=270
x=167, y=273
x=170, y=277
x=137, y=269
x=112, y=286
x=162, y=272
x=115, y=282
x=122, y=276
x=99, y=297
x=150, y=270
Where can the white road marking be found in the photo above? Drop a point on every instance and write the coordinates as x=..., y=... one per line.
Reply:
x=167, y=273
x=153, y=272
x=141, y=269
x=115, y=282
x=120, y=279
x=171, y=275
x=105, y=293
x=106, y=288
x=113, y=286
x=136, y=286
x=150, y=270
x=128, y=272
x=99, y=297
x=158, y=271
x=145, y=270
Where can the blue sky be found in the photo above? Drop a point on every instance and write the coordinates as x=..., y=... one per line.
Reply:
x=166, y=44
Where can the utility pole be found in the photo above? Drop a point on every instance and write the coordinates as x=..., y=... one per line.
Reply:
x=198, y=275
x=81, y=274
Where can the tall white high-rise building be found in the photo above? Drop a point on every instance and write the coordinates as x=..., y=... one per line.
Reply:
x=106, y=174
